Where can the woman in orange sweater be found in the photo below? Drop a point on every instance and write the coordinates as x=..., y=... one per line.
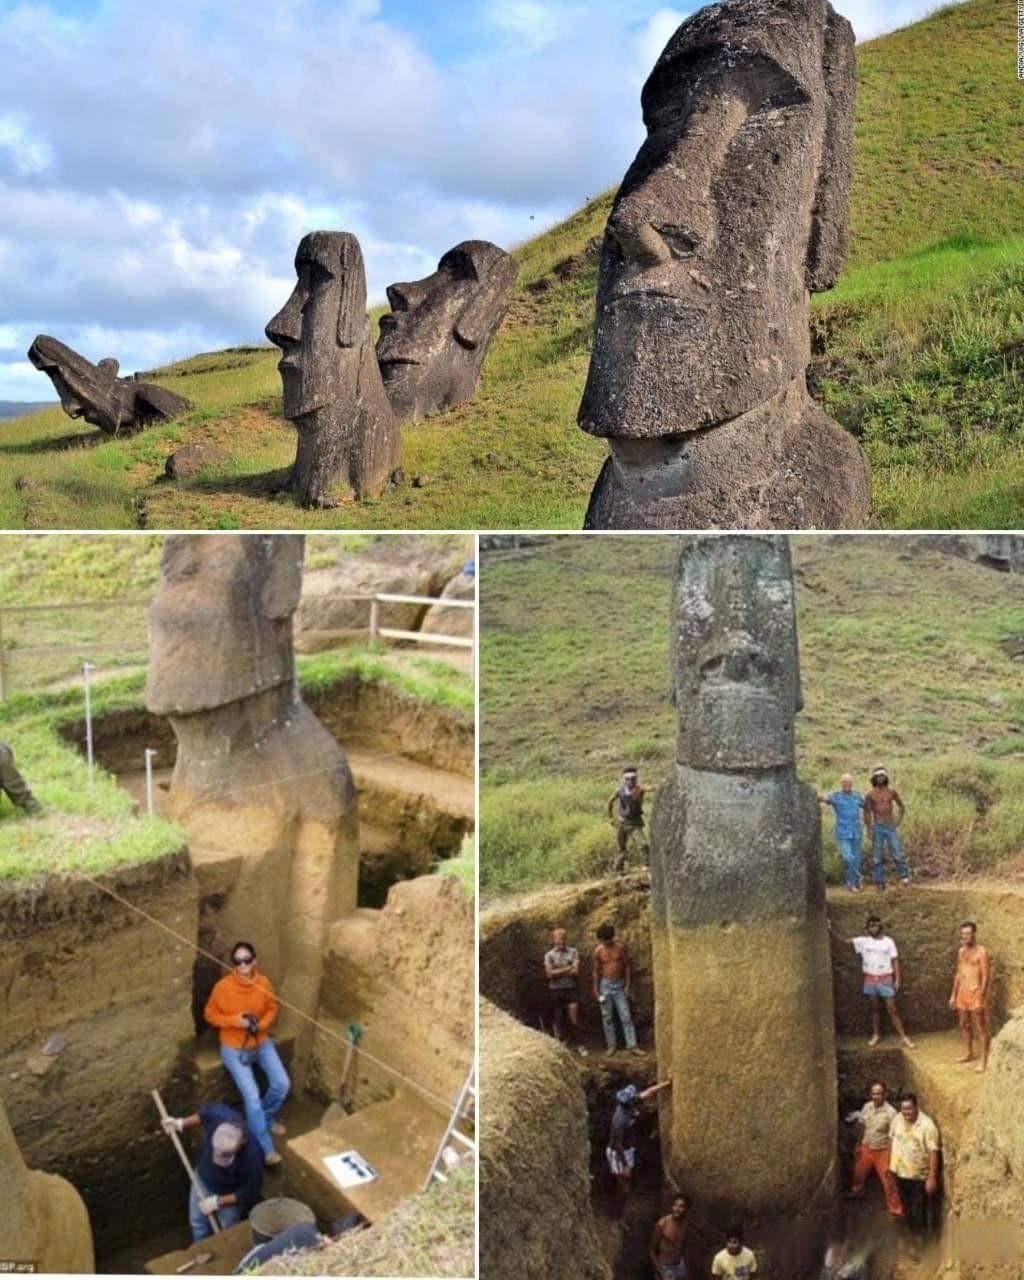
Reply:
x=242, y=1006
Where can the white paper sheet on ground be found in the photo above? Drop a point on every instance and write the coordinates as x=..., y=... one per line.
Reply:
x=349, y=1169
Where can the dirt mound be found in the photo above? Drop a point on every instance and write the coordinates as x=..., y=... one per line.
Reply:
x=535, y=1217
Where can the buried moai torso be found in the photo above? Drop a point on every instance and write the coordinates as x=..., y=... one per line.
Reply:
x=743, y=1002
x=734, y=208
x=433, y=343
x=349, y=440
x=263, y=791
x=95, y=392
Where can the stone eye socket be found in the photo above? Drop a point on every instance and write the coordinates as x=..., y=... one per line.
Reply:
x=681, y=243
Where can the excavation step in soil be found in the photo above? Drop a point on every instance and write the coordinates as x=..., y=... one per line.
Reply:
x=276, y=907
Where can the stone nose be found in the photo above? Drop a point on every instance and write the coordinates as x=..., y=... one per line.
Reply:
x=639, y=242
x=286, y=327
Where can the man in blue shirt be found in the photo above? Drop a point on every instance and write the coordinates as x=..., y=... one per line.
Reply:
x=848, y=805
x=230, y=1168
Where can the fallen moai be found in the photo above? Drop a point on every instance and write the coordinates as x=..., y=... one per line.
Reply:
x=433, y=343
x=742, y=983
x=734, y=209
x=349, y=440
x=264, y=791
x=95, y=392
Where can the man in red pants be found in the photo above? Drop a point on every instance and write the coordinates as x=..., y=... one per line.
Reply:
x=875, y=1119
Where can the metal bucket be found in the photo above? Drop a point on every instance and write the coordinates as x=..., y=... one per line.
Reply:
x=272, y=1216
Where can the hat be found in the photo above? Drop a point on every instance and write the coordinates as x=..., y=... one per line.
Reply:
x=226, y=1141
x=879, y=769
x=626, y=1095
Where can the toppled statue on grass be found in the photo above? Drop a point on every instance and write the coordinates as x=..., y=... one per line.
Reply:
x=433, y=343
x=733, y=211
x=95, y=392
x=263, y=790
x=742, y=985
x=349, y=440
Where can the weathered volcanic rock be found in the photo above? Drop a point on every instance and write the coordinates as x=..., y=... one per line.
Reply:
x=95, y=392
x=44, y=1220
x=735, y=207
x=349, y=439
x=191, y=459
x=263, y=790
x=743, y=999
x=433, y=343
x=452, y=622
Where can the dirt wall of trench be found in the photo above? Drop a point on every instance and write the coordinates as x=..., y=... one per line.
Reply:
x=536, y=1222
x=109, y=991
x=925, y=924
x=404, y=975
x=514, y=938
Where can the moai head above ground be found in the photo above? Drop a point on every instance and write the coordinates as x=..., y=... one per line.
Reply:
x=95, y=392
x=349, y=441
x=433, y=343
x=733, y=211
x=262, y=789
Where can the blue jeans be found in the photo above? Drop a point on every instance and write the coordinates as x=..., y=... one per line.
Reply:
x=849, y=848
x=881, y=834
x=615, y=998
x=260, y=1113
x=200, y=1223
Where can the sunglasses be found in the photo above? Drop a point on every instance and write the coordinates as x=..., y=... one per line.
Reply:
x=237, y=960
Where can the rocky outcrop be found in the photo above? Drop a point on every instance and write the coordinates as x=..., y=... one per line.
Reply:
x=535, y=1217
x=44, y=1221
x=263, y=790
x=743, y=1000
x=452, y=622
x=433, y=342
x=733, y=211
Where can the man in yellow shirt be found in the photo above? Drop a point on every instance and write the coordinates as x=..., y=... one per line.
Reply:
x=735, y=1261
x=914, y=1163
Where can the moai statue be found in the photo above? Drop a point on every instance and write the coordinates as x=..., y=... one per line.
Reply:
x=734, y=210
x=95, y=392
x=349, y=439
x=742, y=984
x=44, y=1221
x=433, y=343
x=262, y=789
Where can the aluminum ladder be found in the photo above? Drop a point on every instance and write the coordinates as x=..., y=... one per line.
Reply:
x=464, y=1107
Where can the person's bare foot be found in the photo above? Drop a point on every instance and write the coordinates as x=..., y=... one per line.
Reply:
x=968, y=1057
x=873, y=1041
x=272, y=1160
x=907, y=1042
x=980, y=1067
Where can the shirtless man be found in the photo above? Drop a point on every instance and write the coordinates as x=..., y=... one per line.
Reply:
x=970, y=991
x=883, y=812
x=668, y=1242
x=611, y=987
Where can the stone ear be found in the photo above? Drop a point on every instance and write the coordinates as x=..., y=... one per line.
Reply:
x=477, y=320
x=352, y=307
x=109, y=368
x=282, y=586
x=826, y=248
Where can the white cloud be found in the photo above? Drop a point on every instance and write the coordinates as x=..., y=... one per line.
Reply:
x=27, y=156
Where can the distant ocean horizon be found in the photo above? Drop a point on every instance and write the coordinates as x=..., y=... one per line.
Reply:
x=15, y=408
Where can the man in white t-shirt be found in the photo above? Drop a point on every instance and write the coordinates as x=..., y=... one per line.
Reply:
x=735, y=1261
x=880, y=963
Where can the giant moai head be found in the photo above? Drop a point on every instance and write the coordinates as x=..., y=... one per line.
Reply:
x=433, y=342
x=220, y=625
x=735, y=206
x=323, y=326
x=735, y=666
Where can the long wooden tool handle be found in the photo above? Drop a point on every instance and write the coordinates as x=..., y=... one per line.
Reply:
x=193, y=1176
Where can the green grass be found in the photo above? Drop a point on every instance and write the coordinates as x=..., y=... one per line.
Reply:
x=919, y=350
x=902, y=659
x=463, y=867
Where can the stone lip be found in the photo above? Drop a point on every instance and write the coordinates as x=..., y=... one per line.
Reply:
x=95, y=392
x=433, y=342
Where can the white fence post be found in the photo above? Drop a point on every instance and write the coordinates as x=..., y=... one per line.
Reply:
x=150, y=753
x=374, y=621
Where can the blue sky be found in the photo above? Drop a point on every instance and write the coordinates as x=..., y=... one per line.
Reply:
x=161, y=159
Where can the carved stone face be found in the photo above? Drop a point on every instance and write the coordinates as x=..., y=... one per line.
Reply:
x=324, y=318
x=90, y=391
x=734, y=653
x=220, y=625
x=734, y=207
x=434, y=340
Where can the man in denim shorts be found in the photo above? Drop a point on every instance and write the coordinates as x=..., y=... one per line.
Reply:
x=880, y=964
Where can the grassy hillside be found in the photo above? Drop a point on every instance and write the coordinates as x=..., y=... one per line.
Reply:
x=902, y=658
x=918, y=352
